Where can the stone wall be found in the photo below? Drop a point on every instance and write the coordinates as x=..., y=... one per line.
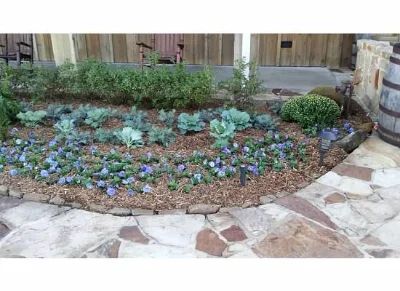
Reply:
x=372, y=62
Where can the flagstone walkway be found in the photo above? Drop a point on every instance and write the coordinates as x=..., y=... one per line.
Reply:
x=351, y=212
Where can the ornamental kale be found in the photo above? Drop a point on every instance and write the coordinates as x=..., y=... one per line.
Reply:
x=31, y=118
x=207, y=115
x=264, y=122
x=96, y=117
x=130, y=137
x=188, y=122
x=55, y=111
x=167, y=117
x=138, y=125
x=64, y=129
x=222, y=131
x=163, y=136
x=105, y=136
x=239, y=118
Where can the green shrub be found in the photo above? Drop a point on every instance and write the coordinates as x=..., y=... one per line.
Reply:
x=309, y=110
x=188, y=122
x=241, y=87
x=9, y=107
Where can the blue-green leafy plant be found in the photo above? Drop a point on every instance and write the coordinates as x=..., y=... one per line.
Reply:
x=96, y=117
x=79, y=138
x=163, y=136
x=64, y=129
x=105, y=136
x=167, y=117
x=207, y=115
x=132, y=138
x=264, y=122
x=222, y=132
x=241, y=119
x=187, y=122
x=31, y=118
x=55, y=111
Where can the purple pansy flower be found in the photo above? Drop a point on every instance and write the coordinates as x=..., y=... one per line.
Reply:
x=149, y=155
x=131, y=192
x=111, y=191
x=13, y=172
x=104, y=172
x=128, y=181
x=146, y=189
x=89, y=186
x=225, y=150
x=69, y=179
x=246, y=149
x=122, y=174
x=181, y=168
x=44, y=173
x=61, y=181
x=52, y=143
x=101, y=184
x=282, y=155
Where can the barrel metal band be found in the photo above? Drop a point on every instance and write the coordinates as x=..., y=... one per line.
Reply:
x=396, y=48
x=388, y=111
x=387, y=131
x=391, y=85
x=388, y=139
x=394, y=60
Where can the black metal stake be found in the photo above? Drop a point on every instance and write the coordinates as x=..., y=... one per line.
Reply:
x=243, y=175
x=321, y=159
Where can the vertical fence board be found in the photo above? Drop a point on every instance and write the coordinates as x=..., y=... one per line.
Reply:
x=347, y=48
x=214, y=49
x=199, y=49
x=132, y=49
x=106, y=48
x=119, y=48
x=80, y=47
x=334, y=50
x=227, y=49
x=188, y=50
x=93, y=46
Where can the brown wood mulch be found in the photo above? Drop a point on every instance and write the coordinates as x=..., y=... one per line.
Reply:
x=227, y=193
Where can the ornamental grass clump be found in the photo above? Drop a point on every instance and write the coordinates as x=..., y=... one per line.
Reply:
x=311, y=110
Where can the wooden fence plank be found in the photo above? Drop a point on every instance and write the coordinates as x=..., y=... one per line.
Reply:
x=106, y=48
x=35, y=49
x=347, y=48
x=269, y=50
x=199, y=49
x=214, y=49
x=278, y=50
x=80, y=46
x=188, y=50
x=334, y=50
x=93, y=46
x=132, y=49
x=119, y=48
x=255, y=43
x=227, y=49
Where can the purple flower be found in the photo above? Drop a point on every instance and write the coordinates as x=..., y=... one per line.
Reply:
x=89, y=186
x=68, y=155
x=32, y=140
x=44, y=173
x=221, y=173
x=52, y=143
x=31, y=134
x=225, y=150
x=111, y=191
x=69, y=179
x=101, y=184
x=181, y=168
x=149, y=155
x=280, y=146
x=1, y=167
x=3, y=150
x=282, y=155
x=276, y=136
x=235, y=145
x=52, y=169
x=197, y=177
x=351, y=130
x=246, y=149
x=18, y=141
x=22, y=158
x=335, y=131
x=273, y=146
x=147, y=169
x=146, y=189
x=112, y=151
x=253, y=169
x=128, y=181
x=217, y=160
x=14, y=130
x=104, y=172
x=131, y=192
x=121, y=174
x=13, y=172
x=232, y=169
x=346, y=125
x=61, y=181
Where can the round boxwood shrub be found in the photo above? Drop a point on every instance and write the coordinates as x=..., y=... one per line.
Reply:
x=312, y=109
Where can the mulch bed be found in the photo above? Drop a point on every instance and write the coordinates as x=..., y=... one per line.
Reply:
x=227, y=193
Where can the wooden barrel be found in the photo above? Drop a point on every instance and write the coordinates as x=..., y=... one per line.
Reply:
x=389, y=104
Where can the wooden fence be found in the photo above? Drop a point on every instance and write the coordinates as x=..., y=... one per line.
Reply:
x=325, y=50
x=321, y=50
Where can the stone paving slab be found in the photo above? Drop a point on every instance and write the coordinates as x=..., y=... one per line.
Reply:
x=350, y=212
x=69, y=234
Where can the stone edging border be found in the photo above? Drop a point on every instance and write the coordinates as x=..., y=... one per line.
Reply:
x=203, y=209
